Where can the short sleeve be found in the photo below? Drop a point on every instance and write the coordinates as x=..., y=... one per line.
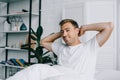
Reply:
x=93, y=44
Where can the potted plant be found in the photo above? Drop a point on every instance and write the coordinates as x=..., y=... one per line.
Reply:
x=36, y=48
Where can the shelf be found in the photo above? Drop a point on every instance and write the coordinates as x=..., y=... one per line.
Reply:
x=2, y=46
x=9, y=0
x=15, y=49
x=16, y=32
x=19, y=14
x=7, y=65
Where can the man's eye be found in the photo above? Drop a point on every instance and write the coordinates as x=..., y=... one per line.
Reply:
x=61, y=31
x=67, y=30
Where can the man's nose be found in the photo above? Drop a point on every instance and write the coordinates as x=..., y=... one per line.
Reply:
x=64, y=34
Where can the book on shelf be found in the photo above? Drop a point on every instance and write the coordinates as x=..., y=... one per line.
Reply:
x=21, y=62
x=15, y=62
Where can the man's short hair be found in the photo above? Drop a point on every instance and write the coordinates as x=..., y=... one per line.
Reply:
x=73, y=22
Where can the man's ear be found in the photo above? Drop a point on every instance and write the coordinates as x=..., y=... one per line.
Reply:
x=78, y=31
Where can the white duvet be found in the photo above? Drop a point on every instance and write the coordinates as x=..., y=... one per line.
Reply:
x=108, y=75
x=46, y=72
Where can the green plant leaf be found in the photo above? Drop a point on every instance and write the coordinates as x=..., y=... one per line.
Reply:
x=26, y=46
x=39, y=33
x=46, y=53
x=32, y=50
x=32, y=56
x=39, y=50
x=33, y=37
x=33, y=32
x=46, y=59
x=54, y=55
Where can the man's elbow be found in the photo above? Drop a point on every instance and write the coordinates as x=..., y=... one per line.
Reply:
x=42, y=42
x=111, y=26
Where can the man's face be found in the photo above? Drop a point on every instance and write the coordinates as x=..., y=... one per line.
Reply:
x=69, y=33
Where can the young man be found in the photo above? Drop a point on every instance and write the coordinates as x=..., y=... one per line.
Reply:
x=76, y=60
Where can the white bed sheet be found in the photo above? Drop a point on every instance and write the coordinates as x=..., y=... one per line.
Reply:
x=102, y=75
x=108, y=75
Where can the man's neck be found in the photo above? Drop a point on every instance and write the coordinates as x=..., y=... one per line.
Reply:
x=76, y=42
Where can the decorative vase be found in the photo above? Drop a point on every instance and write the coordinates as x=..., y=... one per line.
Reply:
x=23, y=27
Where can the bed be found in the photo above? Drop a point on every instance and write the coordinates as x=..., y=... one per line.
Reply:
x=108, y=75
x=104, y=75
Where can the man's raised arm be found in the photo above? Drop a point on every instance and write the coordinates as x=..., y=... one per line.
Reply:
x=105, y=30
x=47, y=41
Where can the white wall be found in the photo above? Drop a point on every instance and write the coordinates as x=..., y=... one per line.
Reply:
x=51, y=15
x=105, y=11
x=118, y=28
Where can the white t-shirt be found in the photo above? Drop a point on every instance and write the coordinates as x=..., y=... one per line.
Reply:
x=80, y=58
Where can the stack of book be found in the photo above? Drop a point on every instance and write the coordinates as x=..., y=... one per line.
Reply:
x=15, y=62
